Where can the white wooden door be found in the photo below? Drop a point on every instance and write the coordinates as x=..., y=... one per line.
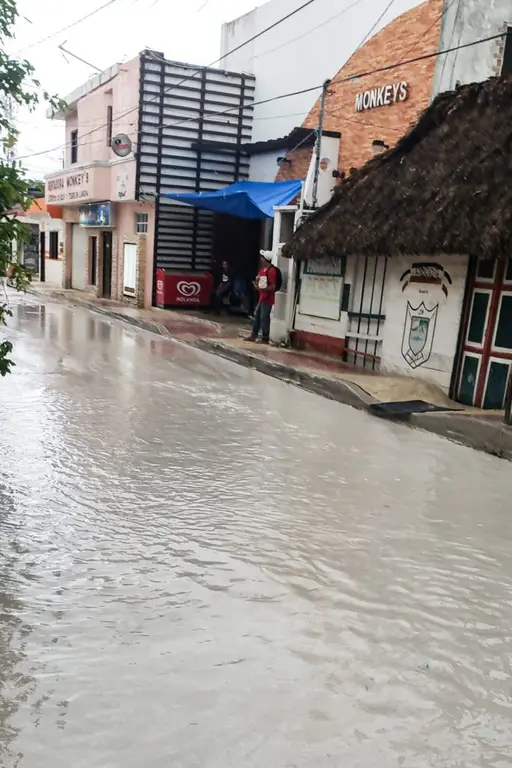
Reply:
x=129, y=269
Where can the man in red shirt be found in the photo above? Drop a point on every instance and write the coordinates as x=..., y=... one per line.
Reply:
x=265, y=284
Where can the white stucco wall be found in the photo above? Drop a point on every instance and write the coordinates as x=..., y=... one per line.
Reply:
x=300, y=53
x=464, y=22
x=401, y=292
x=54, y=272
x=265, y=167
x=336, y=329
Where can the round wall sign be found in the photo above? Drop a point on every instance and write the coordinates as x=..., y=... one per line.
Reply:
x=121, y=145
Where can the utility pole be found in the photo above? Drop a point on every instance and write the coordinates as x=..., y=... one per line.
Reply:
x=318, y=145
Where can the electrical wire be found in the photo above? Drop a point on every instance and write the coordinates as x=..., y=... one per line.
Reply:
x=423, y=34
x=309, y=31
x=367, y=73
x=69, y=26
x=374, y=26
x=189, y=77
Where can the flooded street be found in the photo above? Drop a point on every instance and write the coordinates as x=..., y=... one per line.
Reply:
x=204, y=567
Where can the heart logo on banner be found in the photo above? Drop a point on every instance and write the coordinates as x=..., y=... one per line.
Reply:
x=188, y=289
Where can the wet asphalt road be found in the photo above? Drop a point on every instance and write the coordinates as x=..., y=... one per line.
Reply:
x=204, y=567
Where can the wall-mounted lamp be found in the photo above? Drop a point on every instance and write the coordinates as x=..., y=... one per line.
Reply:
x=283, y=161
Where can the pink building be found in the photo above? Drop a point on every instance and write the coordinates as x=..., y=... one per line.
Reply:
x=119, y=230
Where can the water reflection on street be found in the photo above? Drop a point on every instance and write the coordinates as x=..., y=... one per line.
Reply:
x=202, y=566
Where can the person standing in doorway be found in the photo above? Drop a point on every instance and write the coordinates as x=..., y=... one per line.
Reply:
x=224, y=288
x=266, y=285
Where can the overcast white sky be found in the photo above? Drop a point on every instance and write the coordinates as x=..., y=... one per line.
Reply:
x=185, y=30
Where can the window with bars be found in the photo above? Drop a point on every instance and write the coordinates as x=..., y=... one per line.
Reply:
x=141, y=223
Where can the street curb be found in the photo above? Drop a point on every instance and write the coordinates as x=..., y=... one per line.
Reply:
x=493, y=438
x=73, y=301
x=343, y=392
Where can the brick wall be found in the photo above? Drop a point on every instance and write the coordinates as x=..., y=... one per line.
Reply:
x=412, y=34
x=298, y=166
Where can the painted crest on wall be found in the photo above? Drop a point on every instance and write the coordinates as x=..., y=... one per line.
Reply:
x=419, y=329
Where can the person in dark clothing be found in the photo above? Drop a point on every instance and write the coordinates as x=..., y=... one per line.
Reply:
x=224, y=288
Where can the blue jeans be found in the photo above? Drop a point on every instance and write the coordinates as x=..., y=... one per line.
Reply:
x=262, y=321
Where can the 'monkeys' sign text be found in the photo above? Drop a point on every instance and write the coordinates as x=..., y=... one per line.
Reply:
x=382, y=97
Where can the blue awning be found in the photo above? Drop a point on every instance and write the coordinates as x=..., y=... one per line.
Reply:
x=246, y=199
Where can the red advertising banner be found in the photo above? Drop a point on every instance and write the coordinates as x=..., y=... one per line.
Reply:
x=183, y=290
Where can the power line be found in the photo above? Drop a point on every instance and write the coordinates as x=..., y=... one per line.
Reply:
x=422, y=35
x=302, y=91
x=346, y=79
x=374, y=26
x=318, y=131
x=197, y=72
x=423, y=57
x=309, y=31
x=70, y=26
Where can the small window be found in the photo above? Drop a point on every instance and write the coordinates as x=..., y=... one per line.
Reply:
x=141, y=223
x=109, y=126
x=54, y=245
x=74, y=147
x=506, y=68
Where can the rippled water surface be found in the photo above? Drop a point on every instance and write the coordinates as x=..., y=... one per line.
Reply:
x=202, y=566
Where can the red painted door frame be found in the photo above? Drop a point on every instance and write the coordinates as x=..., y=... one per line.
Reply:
x=496, y=287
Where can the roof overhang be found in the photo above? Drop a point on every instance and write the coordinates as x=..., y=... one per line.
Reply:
x=298, y=137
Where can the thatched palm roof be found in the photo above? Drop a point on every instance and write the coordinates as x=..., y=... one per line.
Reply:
x=446, y=187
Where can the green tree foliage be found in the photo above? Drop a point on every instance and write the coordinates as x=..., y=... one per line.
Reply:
x=15, y=190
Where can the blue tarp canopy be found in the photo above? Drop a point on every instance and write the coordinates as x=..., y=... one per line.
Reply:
x=246, y=199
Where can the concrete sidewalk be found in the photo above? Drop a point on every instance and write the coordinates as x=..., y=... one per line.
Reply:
x=482, y=430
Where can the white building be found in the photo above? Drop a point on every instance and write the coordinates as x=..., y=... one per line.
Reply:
x=297, y=54
x=465, y=22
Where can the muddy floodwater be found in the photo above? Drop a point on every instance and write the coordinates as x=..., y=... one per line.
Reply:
x=203, y=567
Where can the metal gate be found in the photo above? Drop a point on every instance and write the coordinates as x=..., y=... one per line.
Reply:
x=366, y=316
